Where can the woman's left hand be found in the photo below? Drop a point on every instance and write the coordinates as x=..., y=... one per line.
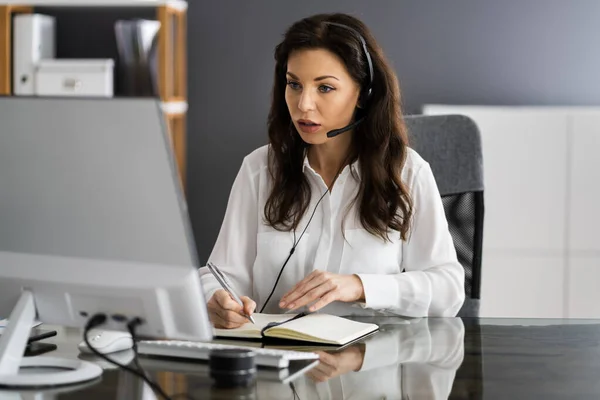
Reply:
x=323, y=287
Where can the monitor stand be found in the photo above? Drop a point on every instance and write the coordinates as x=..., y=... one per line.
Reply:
x=13, y=341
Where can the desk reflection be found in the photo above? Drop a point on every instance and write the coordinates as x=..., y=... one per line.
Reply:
x=414, y=361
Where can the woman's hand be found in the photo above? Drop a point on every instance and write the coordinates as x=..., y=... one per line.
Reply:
x=225, y=312
x=323, y=287
x=332, y=365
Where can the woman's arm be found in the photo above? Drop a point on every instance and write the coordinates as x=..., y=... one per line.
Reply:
x=433, y=281
x=235, y=249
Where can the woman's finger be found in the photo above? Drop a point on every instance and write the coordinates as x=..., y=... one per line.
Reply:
x=316, y=293
x=249, y=305
x=217, y=321
x=292, y=299
x=231, y=317
x=329, y=297
x=286, y=297
x=225, y=301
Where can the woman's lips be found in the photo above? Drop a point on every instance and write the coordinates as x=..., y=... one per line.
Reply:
x=308, y=126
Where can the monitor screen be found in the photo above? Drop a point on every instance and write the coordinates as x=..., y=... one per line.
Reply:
x=91, y=178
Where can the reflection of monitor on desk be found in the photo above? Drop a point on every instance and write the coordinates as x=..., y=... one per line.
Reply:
x=92, y=220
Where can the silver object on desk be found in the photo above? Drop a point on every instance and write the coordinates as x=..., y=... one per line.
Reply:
x=225, y=284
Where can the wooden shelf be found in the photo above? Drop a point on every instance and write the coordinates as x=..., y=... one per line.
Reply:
x=6, y=14
x=172, y=56
x=177, y=126
x=176, y=118
x=174, y=4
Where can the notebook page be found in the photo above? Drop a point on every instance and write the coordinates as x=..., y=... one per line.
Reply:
x=328, y=328
x=250, y=330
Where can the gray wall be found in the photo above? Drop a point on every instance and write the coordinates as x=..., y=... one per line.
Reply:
x=509, y=52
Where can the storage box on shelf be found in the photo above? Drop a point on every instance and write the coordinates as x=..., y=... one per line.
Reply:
x=172, y=59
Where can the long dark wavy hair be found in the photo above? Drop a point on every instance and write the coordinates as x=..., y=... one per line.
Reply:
x=379, y=143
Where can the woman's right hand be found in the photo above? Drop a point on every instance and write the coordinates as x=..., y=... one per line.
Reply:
x=225, y=312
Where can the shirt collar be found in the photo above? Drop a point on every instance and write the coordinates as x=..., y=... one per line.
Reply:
x=354, y=167
x=305, y=164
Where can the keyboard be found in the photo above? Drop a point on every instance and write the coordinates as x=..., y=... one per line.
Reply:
x=274, y=358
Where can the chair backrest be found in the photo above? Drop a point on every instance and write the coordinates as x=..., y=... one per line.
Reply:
x=451, y=144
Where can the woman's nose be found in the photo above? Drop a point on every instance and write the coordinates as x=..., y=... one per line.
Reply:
x=306, y=102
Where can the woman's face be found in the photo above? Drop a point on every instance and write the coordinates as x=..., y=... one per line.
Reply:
x=320, y=94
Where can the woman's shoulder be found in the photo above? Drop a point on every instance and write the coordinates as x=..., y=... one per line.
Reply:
x=412, y=166
x=257, y=160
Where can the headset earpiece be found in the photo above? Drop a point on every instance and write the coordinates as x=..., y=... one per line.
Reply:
x=364, y=97
x=367, y=91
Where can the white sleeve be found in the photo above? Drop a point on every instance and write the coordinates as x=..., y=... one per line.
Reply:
x=433, y=281
x=235, y=249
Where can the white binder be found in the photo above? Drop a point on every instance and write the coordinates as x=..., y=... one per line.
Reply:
x=33, y=40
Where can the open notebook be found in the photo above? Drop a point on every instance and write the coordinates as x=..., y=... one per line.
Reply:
x=314, y=328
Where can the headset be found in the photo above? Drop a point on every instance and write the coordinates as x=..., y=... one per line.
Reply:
x=364, y=97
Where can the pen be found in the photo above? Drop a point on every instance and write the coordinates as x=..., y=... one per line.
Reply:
x=223, y=282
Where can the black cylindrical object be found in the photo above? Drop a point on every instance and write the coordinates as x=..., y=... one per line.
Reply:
x=232, y=367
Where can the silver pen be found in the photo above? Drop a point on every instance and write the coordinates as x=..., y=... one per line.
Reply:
x=225, y=284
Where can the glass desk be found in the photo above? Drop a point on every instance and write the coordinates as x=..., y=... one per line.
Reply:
x=435, y=358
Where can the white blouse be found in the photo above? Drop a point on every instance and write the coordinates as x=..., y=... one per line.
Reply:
x=415, y=278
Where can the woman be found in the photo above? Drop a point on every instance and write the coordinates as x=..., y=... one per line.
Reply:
x=336, y=213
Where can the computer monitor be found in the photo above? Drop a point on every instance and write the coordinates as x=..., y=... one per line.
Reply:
x=92, y=220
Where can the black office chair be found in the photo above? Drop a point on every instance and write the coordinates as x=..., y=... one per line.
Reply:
x=452, y=146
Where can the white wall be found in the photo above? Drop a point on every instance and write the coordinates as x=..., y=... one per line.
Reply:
x=541, y=253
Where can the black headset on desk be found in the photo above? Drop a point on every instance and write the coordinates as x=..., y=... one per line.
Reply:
x=364, y=98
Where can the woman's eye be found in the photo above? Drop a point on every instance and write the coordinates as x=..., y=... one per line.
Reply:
x=293, y=85
x=325, y=89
